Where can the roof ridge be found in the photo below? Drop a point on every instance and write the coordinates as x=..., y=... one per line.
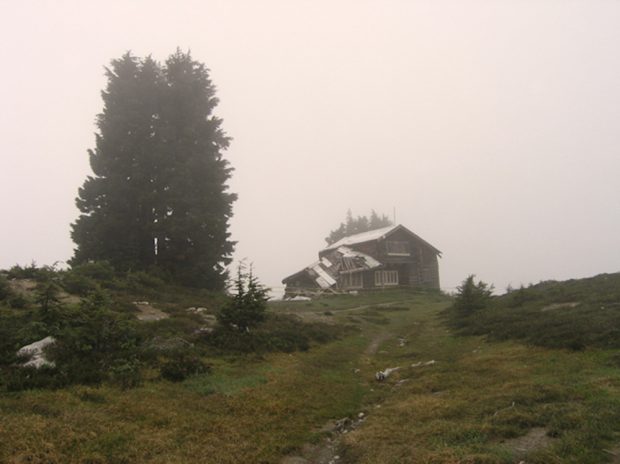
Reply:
x=368, y=235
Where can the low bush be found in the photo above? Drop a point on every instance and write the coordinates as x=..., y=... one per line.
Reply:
x=139, y=280
x=246, y=309
x=574, y=315
x=91, y=342
x=126, y=372
x=78, y=284
x=471, y=296
x=26, y=272
x=282, y=333
x=28, y=378
x=182, y=364
x=5, y=289
x=18, y=301
x=100, y=271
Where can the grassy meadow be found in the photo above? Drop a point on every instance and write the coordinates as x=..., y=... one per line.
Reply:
x=484, y=399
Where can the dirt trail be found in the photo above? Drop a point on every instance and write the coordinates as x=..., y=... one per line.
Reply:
x=377, y=305
x=326, y=452
x=376, y=342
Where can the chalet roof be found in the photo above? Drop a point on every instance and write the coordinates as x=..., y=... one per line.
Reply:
x=375, y=234
x=353, y=260
x=361, y=238
x=324, y=279
x=342, y=260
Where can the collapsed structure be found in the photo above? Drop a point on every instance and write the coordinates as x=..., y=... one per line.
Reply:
x=387, y=257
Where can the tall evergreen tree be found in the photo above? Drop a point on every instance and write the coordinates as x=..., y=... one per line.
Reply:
x=193, y=229
x=158, y=197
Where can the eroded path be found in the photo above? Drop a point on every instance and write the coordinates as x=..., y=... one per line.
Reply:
x=329, y=449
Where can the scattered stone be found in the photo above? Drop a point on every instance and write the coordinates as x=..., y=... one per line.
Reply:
x=35, y=353
x=382, y=375
x=146, y=312
x=361, y=415
x=427, y=363
x=402, y=341
x=204, y=331
x=342, y=424
x=356, y=371
x=197, y=310
x=553, y=306
x=23, y=286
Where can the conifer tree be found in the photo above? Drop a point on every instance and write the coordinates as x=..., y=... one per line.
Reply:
x=193, y=230
x=158, y=197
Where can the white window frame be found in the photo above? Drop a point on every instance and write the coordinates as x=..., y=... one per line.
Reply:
x=386, y=278
x=350, y=280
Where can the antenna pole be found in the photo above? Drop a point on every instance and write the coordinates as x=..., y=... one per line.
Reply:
x=394, y=214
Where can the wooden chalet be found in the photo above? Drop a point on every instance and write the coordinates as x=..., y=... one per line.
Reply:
x=388, y=257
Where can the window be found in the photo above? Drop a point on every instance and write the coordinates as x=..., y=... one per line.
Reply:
x=352, y=280
x=386, y=278
x=395, y=248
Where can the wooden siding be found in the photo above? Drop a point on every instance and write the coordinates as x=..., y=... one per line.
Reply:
x=419, y=269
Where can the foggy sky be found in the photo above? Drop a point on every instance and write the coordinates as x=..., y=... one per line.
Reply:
x=492, y=128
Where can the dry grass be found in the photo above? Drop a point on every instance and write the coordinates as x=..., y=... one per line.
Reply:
x=468, y=407
x=478, y=398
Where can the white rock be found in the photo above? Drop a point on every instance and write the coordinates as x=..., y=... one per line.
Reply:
x=35, y=353
x=382, y=375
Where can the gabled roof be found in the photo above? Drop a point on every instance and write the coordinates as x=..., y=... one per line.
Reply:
x=362, y=237
x=319, y=271
x=324, y=279
x=342, y=260
x=376, y=234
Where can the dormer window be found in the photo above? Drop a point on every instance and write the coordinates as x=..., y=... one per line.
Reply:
x=395, y=248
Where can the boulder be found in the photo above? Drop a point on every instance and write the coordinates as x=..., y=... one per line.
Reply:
x=35, y=353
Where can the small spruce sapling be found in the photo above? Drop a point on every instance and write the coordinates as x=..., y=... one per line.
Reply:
x=471, y=296
x=247, y=307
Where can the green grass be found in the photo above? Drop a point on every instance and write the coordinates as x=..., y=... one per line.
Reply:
x=229, y=378
x=467, y=407
x=574, y=314
x=480, y=395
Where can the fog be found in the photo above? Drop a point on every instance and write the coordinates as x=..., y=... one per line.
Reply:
x=491, y=128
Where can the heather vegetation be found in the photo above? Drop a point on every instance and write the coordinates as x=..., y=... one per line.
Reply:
x=576, y=314
x=93, y=313
x=292, y=383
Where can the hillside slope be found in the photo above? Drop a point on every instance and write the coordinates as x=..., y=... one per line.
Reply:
x=574, y=314
x=453, y=399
